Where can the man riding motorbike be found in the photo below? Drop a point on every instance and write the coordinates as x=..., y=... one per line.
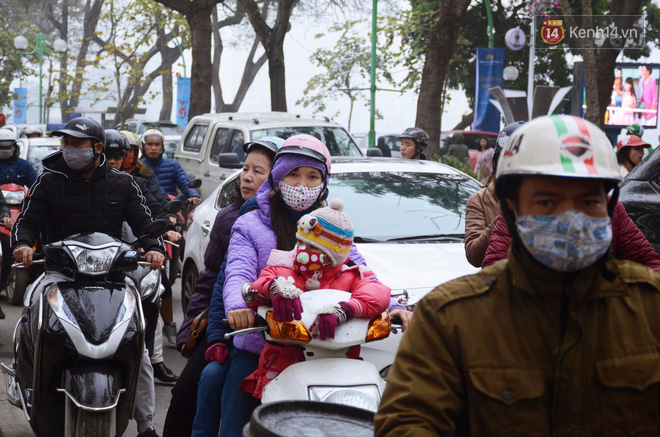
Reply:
x=79, y=192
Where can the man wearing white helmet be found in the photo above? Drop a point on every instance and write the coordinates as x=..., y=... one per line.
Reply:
x=169, y=173
x=559, y=338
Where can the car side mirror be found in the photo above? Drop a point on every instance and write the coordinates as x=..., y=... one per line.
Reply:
x=229, y=160
x=372, y=151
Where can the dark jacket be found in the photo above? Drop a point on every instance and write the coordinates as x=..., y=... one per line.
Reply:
x=157, y=210
x=4, y=208
x=215, y=331
x=628, y=242
x=170, y=175
x=17, y=171
x=484, y=355
x=143, y=171
x=213, y=258
x=61, y=203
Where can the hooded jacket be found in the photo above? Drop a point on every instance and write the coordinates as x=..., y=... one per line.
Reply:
x=143, y=171
x=61, y=203
x=170, y=175
x=481, y=214
x=628, y=242
x=484, y=355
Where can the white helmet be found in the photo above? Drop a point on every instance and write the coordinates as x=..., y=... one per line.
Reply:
x=151, y=133
x=558, y=145
x=7, y=135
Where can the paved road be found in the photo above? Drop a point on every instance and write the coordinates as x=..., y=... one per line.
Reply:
x=12, y=421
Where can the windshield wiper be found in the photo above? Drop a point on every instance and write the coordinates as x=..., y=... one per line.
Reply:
x=443, y=237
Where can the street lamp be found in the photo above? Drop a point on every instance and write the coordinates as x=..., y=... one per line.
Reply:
x=40, y=48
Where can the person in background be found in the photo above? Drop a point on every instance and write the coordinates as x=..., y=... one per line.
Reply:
x=6, y=222
x=259, y=156
x=170, y=176
x=483, y=168
x=136, y=168
x=649, y=96
x=459, y=150
x=413, y=143
x=629, y=153
x=483, y=208
x=387, y=153
x=564, y=331
x=32, y=132
x=629, y=101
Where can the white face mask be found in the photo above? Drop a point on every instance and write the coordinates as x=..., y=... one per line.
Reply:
x=567, y=242
x=6, y=154
x=78, y=159
x=299, y=198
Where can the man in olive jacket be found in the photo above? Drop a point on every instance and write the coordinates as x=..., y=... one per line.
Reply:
x=559, y=338
x=79, y=192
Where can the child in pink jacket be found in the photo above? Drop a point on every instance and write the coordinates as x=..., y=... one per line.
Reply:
x=319, y=260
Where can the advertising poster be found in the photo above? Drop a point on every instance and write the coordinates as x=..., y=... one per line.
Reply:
x=490, y=67
x=182, y=101
x=634, y=97
x=20, y=105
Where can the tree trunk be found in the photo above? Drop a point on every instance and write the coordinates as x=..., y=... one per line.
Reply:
x=272, y=40
x=166, y=109
x=439, y=51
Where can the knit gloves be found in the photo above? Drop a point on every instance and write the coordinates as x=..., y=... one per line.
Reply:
x=286, y=300
x=325, y=323
x=217, y=352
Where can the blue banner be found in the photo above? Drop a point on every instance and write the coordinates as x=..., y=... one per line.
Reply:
x=490, y=66
x=20, y=105
x=182, y=101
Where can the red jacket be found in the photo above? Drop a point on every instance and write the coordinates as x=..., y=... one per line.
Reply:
x=369, y=297
x=628, y=242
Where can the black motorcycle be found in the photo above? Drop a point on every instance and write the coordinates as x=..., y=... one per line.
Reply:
x=78, y=345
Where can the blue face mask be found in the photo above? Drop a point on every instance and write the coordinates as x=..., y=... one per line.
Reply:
x=567, y=242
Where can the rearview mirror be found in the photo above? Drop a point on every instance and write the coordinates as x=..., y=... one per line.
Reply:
x=173, y=206
x=155, y=229
x=195, y=183
x=229, y=160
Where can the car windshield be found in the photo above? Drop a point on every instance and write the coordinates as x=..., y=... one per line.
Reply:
x=37, y=153
x=337, y=140
x=404, y=206
x=170, y=148
x=166, y=129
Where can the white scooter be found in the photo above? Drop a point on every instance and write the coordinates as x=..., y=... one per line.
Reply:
x=326, y=375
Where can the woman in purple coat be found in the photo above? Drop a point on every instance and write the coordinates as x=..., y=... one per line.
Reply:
x=259, y=157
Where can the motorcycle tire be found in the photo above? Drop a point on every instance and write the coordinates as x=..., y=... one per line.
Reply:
x=17, y=284
x=95, y=424
x=188, y=286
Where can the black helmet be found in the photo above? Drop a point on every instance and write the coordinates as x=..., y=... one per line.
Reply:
x=82, y=127
x=416, y=134
x=116, y=144
x=503, y=140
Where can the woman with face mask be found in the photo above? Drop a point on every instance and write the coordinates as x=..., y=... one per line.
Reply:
x=297, y=184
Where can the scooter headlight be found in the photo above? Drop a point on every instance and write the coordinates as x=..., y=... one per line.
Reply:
x=13, y=197
x=127, y=309
x=60, y=307
x=366, y=397
x=149, y=283
x=94, y=261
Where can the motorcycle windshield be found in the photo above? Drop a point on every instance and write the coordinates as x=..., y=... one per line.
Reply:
x=94, y=307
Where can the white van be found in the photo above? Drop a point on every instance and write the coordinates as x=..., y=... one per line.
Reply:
x=211, y=146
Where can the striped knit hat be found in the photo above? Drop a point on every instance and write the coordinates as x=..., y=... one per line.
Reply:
x=329, y=230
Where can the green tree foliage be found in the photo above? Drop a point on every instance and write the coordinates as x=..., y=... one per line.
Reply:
x=346, y=69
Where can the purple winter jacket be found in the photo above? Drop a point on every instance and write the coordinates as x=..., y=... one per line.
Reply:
x=252, y=240
x=213, y=258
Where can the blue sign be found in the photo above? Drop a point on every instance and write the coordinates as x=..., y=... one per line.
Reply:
x=490, y=67
x=182, y=101
x=20, y=105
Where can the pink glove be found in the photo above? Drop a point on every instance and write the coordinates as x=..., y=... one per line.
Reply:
x=217, y=352
x=285, y=309
x=324, y=326
x=325, y=323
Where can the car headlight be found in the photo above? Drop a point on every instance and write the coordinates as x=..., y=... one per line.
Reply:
x=149, y=283
x=60, y=307
x=93, y=261
x=127, y=308
x=13, y=197
x=366, y=397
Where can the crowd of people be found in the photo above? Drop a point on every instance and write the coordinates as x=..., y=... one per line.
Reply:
x=556, y=332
